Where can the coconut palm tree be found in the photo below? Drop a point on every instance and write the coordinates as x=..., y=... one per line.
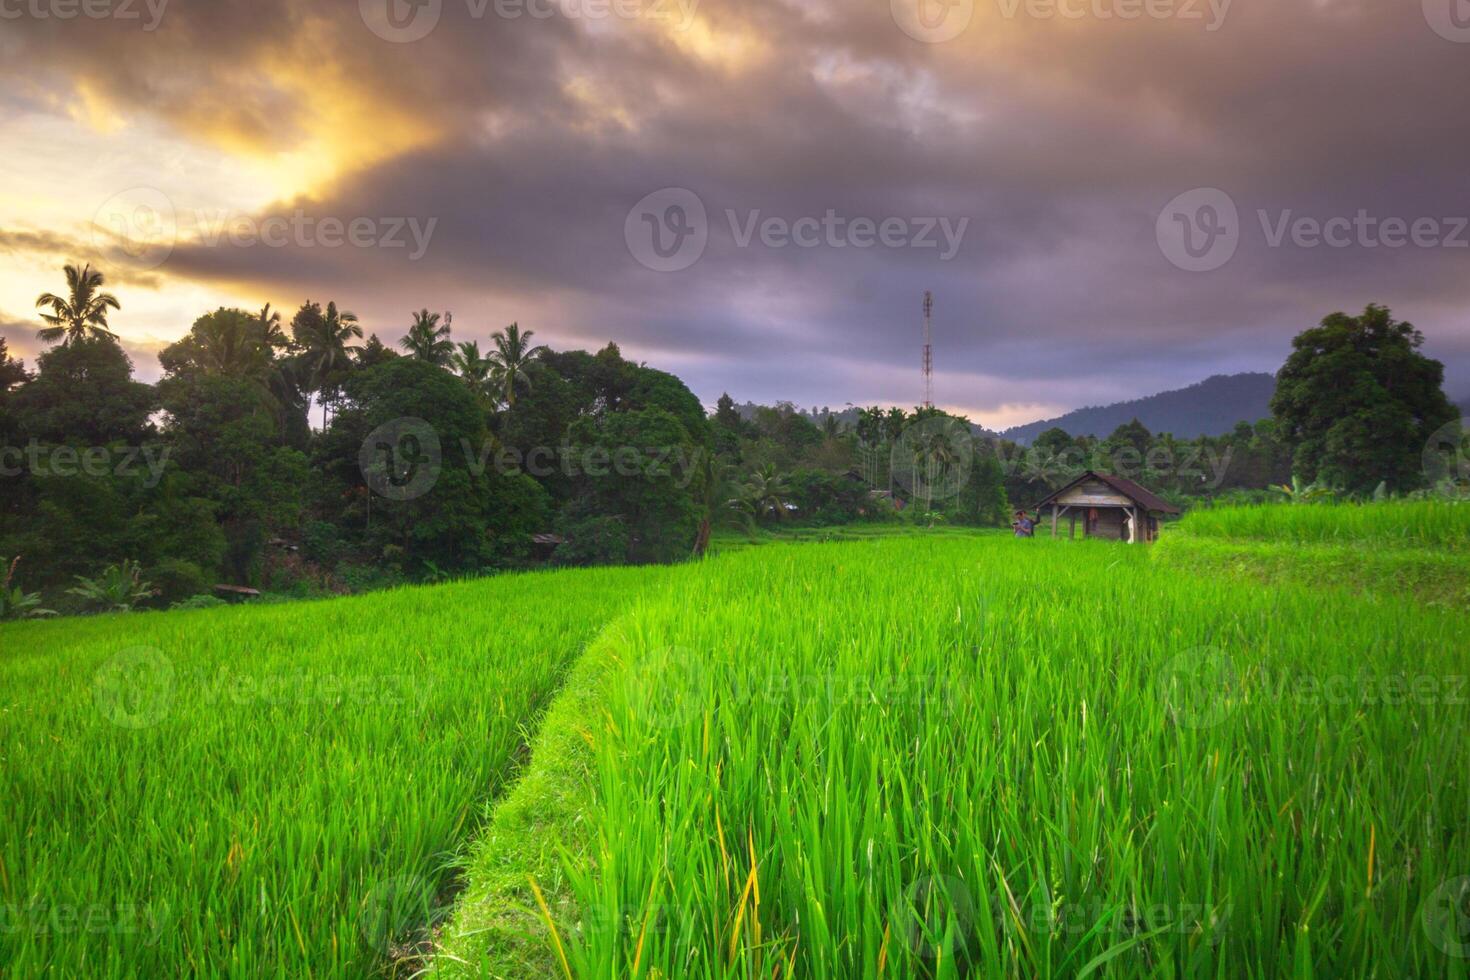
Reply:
x=268, y=323
x=82, y=313
x=230, y=342
x=767, y=491
x=426, y=340
x=513, y=351
x=325, y=354
x=285, y=375
x=477, y=372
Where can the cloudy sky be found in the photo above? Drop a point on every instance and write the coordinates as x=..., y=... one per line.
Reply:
x=1106, y=197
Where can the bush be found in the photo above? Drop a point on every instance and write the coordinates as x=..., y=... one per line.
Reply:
x=321, y=542
x=593, y=541
x=822, y=499
x=369, y=578
x=175, y=580
x=199, y=602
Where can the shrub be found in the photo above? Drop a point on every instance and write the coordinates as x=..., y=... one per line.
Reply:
x=118, y=589
x=321, y=542
x=593, y=541
x=199, y=602
x=15, y=604
x=175, y=580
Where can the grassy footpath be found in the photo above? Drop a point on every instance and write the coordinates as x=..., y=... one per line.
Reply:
x=1414, y=549
x=983, y=757
x=269, y=791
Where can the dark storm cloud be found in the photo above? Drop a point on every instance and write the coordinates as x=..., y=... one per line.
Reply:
x=1056, y=142
x=69, y=250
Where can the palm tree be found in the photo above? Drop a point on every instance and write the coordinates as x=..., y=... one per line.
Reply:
x=322, y=339
x=477, y=372
x=82, y=313
x=268, y=323
x=894, y=422
x=231, y=343
x=767, y=491
x=285, y=381
x=513, y=351
x=426, y=340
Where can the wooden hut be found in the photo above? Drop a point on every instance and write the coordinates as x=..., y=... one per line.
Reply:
x=1108, y=506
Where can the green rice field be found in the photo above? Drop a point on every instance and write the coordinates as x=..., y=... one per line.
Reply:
x=1417, y=550
x=273, y=791
x=931, y=755
x=1388, y=524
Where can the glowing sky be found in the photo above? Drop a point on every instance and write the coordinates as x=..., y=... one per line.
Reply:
x=208, y=154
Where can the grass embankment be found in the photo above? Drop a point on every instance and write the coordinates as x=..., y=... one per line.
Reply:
x=1419, y=549
x=939, y=758
x=269, y=791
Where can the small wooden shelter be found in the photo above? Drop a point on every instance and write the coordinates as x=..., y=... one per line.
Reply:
x=1110, y=507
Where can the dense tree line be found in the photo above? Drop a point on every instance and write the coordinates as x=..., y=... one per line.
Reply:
x=922, y=465
x=434, y=459
x=215, y=476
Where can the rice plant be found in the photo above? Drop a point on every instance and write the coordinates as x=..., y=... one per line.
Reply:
x=944, y=758
x=271, y=791
x=1393, y=523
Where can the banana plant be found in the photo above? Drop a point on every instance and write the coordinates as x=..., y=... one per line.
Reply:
x=118, y=589
x=15, y=604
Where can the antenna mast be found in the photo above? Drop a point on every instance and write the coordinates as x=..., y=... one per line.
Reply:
x=928, y=352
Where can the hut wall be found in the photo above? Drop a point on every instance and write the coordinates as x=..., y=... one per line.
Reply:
x=1111, y=524
x=1093, y=493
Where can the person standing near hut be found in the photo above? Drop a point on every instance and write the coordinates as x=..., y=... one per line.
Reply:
x=1025, y=526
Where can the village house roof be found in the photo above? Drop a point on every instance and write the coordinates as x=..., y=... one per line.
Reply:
x=1144, y=498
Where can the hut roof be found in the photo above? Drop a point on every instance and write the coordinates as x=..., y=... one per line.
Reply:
x=1146, y=499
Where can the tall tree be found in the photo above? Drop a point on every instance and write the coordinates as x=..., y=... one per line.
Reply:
x=84, y=393
x=322, y=338
x=513, y=351
x=1357, y=402
x=268, y=322
x=12, y=370
x=82, y=312
x=228, y=342
x=427, y=341
x=726, y=413
x=235, y=344
x=373, y=353
x=477, y=372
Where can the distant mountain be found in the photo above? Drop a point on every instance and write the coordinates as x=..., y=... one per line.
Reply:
x=1210, y=408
